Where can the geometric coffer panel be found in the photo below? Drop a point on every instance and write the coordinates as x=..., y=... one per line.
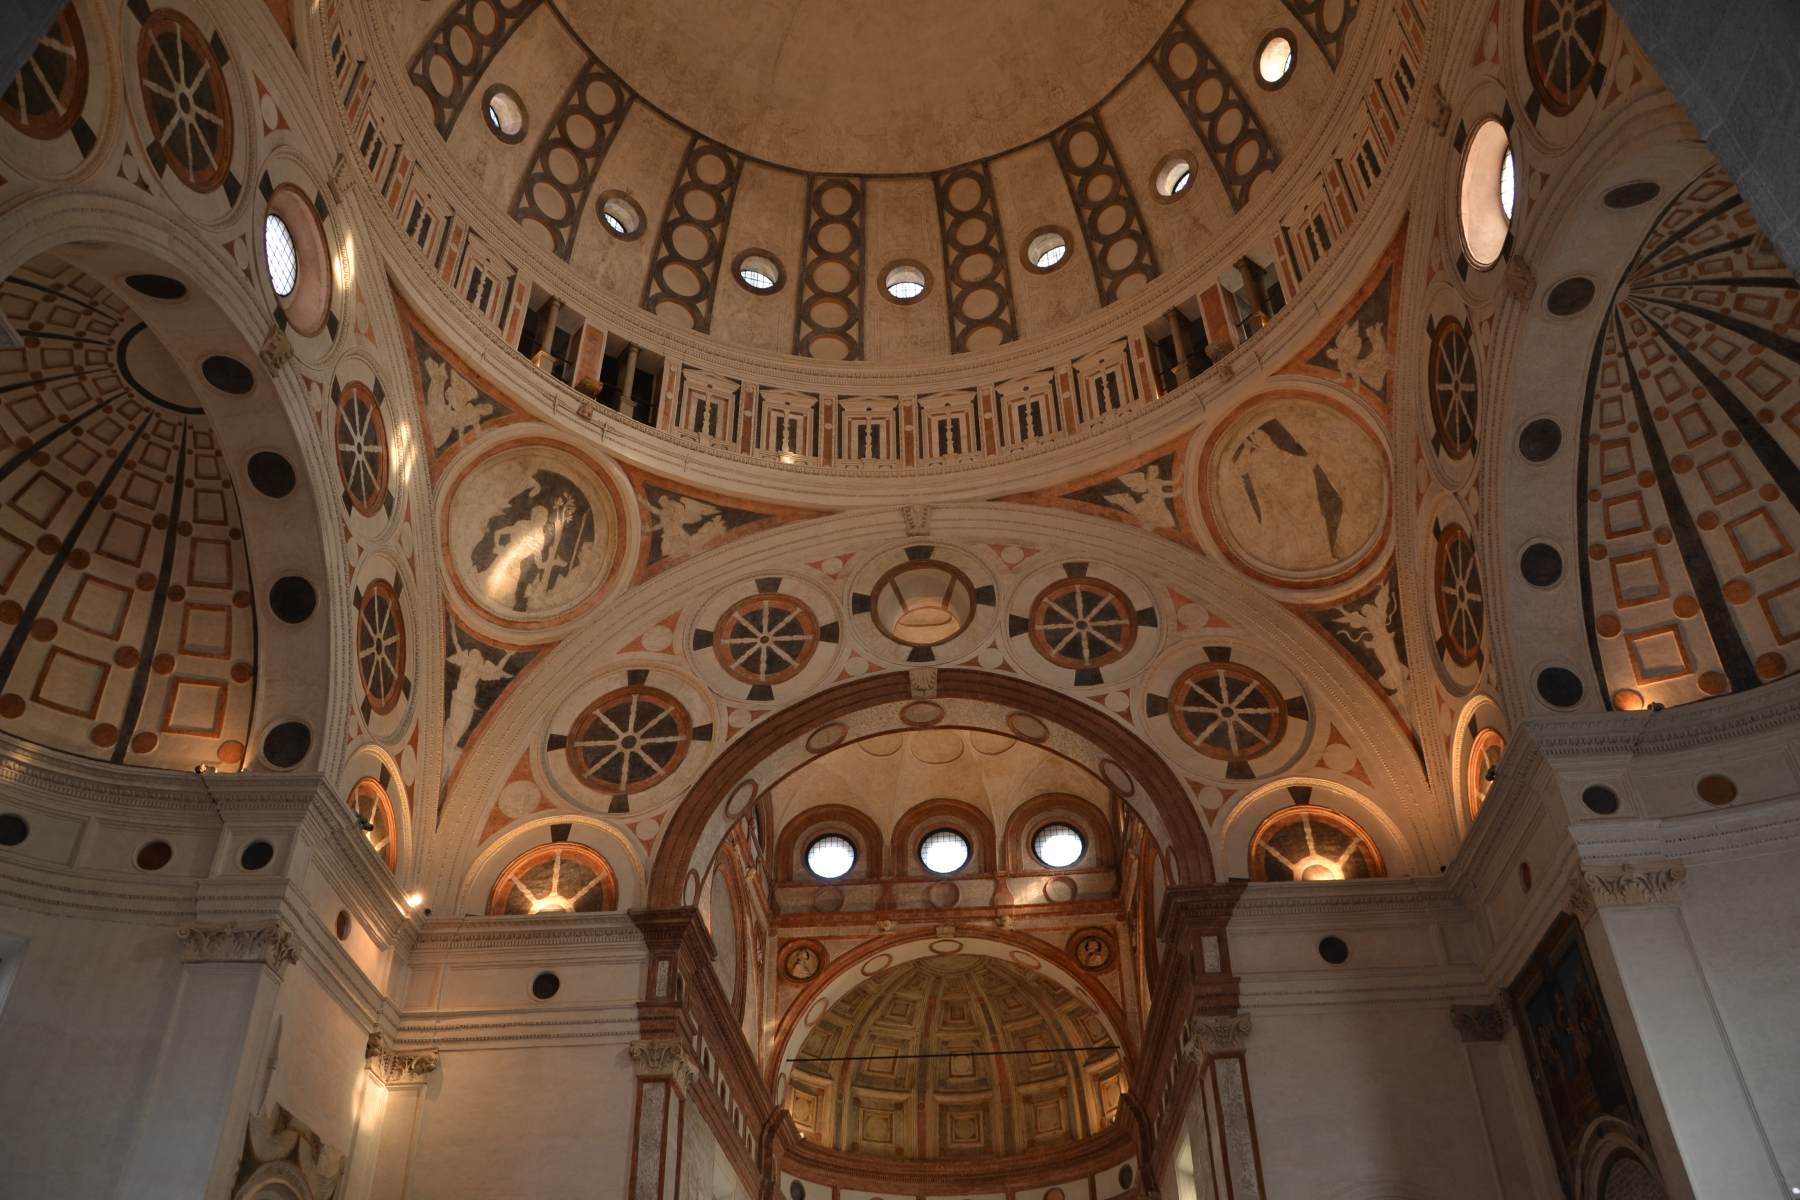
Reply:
x=1690, y=505
x=125, y=594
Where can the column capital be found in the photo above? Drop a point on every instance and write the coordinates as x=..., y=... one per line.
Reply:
x=655, y=1057
x=1211, y=1035
x=1627, y=885
x=1481, y=1022
x=269, y=944
x=398, y=1068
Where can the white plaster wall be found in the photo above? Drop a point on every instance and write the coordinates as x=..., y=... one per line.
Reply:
x=528, y=1121
x=1743, y=920
x=79, y=1034
x=1360, y=1095
x=319, y=1059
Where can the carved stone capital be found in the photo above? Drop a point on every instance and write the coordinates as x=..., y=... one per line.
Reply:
x=271, y=944
x=664, y=1056
x=398, y=1068
x=1210, y=1036
x=1521, y=280
x=1480, y=1022
x=1580, y=900
x=1630, y=886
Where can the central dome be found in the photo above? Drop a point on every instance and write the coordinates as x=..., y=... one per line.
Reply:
x=955, y=1057
x=868, y=86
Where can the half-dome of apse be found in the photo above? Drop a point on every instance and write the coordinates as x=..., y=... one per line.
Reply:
x=864, y=182
x=955, y=1057
x=125, y=596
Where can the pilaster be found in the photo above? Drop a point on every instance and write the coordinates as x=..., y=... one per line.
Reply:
x=1217, y=1043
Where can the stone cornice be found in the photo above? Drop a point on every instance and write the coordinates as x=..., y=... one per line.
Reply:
x=612, y=935
x=1267, y=905
x=1771, y=709
x=613, y=1024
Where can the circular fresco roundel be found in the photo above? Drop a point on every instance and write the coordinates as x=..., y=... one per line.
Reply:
x=1455, y=388
x=1460, y=601
x=381, y=646
x=1297, y=490
x=628, y=740
x=767, y=639
x=1081, y=624
x=361, y=449
x=530, y=533
x=185, y=99
x=1218, y=705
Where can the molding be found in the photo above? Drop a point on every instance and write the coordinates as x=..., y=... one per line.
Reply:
x=1480, y=1022
x=658, y=1058
x=1207, y=1037
x=398, y=1068
x=613, y=934
x=272, y=944
x=1265, y=906
x=1628, y=886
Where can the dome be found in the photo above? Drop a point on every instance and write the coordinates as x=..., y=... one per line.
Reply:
x=955, y=1057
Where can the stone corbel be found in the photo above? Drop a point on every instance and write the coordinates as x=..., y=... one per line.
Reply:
x=664, y=1057
x=1210, y=1036
x=1437, y=110
x=1521, y=279
x=917, y=518
x=271, y=945
x=1480, y=1022
x=923, y=682
x=397, y=1068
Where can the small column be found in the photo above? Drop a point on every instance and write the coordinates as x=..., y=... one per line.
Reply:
x=198, y=1102
x=1183, y=342
x=393, y=1089
x=1653, y=981
x=1217, y=1044
x=545, y=359
x=664, y=1073
x=1522, y=1161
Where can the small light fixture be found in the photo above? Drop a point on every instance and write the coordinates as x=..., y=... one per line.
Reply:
x=416, y=899
x=789, y=457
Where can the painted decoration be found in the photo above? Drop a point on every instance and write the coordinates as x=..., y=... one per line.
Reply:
x=1368, y=627
x=529, y=534
x=476, y=674
x=1298, y=490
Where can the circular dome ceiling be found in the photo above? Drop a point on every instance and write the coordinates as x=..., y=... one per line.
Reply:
x=867, y=86
x=964, y=1052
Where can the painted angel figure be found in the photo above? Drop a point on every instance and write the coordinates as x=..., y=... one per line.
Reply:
x=451, y=402
x=687, y=526
x=473, y=668
x=1367, y=625
x=1369, y=368
x=1150, y=498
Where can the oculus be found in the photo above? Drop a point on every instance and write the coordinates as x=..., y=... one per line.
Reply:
x=944, y=851
x=1058, y=845
x=1489, y=194
x=923, y=603
x=1275, y=61
x=831, y=856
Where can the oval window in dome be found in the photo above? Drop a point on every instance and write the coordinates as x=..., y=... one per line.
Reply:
x=1275, y=61
x=505, y=114
x=758, y=271
x=280, y=256
x=1046, y=250
x=904, y=282
x=624, y=219
x=1489, y=193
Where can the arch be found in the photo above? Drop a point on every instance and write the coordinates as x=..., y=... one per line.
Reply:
x=919, y=820
x=622, y=858
x=698, y=824
x=1102, y=849
x=803, y=826
x=559, y=856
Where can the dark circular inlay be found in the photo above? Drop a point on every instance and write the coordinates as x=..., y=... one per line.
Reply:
x=1333, y=950
x=157, y=287
x=292, y=599
x=13, y=829
x=1600, y=799
x=256, y=855
x=545, y=985
x=154, y=856
x=1570, y=296
x=1125, y=1176
x=797, y=1190
x=228, y=375
x=271, y=474
x=1630, y=195
x=286, y=744
x=1716, y=789
x=1540, y=440
x=343, y=925
x=1559, y=686
x=1541, y=564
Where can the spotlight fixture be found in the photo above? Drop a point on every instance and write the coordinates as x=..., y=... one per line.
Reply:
x=415, y=900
